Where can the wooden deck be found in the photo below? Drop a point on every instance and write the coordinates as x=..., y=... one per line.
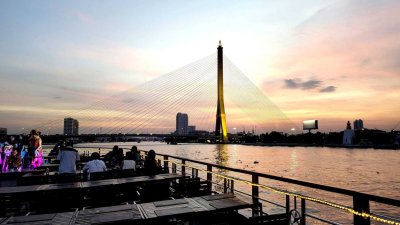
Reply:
x=60, y=196
x=159, y=212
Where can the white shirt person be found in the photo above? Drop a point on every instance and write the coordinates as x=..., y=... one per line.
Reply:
x=94, y=165
x=129, y=163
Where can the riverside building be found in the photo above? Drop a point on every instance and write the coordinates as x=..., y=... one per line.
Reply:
x=182, y=122
x=71, y=126
x=358, y=124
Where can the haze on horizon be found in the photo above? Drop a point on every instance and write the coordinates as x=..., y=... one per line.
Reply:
x=331, y=60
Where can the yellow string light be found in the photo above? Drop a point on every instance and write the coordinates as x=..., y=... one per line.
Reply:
x=334, y=205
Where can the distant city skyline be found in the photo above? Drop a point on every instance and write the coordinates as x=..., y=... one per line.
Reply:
x=334, y=61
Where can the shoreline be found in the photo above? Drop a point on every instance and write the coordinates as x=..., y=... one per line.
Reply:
x=383, y=147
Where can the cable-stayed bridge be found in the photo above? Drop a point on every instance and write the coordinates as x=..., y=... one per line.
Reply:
x=195, y=89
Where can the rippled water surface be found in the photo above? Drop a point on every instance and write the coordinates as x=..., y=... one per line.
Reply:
x=371, y=171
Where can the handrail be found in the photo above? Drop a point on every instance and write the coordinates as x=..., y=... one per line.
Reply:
x=374, y=198
x=361, y=201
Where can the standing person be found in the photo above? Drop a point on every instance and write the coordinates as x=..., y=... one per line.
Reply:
x=68, y=157
x=1, y=158
x=35, y=149
x=7, y=153
x=1, y=153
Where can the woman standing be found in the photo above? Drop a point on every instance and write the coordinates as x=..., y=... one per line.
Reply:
x=7, y=153
x=35, y=149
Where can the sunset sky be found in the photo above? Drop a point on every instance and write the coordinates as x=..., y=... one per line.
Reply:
x=329, y=60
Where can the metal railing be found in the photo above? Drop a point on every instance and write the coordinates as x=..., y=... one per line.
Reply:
x=361, y=201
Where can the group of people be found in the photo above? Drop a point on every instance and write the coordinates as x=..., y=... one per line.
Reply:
x=14, y=156
x=18, y=152
x=116, y=160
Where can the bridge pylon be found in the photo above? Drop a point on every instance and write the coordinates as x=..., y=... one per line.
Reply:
x=221, y=117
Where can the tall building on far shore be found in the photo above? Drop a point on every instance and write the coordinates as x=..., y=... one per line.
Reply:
x=71, y=126
x=182, y=122
x=358, y=124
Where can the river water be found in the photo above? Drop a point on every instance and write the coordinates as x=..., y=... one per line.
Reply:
x=371, y=171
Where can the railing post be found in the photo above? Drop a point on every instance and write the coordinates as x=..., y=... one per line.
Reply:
x=209, y=177
x=232, y=186
x=225, y=186
x=361, y=204
x=288, y=208
x=303, y=212
x=195, y=173
x=173, y=168
x=183, y=168
x=254, y=193
x=166, y=166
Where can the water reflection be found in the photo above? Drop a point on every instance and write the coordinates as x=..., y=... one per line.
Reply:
x=221, y=154
x=221, y=158
x=293, y=161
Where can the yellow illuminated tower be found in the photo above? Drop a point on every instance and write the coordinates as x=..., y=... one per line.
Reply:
x=221, y=117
